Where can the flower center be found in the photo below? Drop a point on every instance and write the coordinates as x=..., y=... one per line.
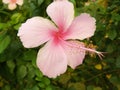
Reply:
x=13, y=1
x=58, y=36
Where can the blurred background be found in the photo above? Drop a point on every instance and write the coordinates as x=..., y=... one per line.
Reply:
x=18, y=70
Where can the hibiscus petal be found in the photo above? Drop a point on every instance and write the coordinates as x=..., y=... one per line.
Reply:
x=52, y=60
x=6, y=1
x=19, y=2
x=12, y=6
x=82, y=27
x=35, y=31
x=62, y=13
x=75, y=54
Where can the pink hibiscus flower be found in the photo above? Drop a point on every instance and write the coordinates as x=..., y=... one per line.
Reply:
x=62, y=48
x=12, y=4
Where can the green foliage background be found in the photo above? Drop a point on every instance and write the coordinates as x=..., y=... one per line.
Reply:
x=18, y=69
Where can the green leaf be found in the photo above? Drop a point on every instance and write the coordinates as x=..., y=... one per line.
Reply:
x=38, y=74
x=118, y=62
x=16, y=18
x=46, y=81
x=90, y=87
x=118, y=86
x=41, y=85
x=40, y=2
x=48, y=88
x=21, y=72
x=110, y=48
x=6, y=87
x=2, y=34
x=65, y=78
x=97, y=88
x=112, y=34
x=35, y=88
x=4, y=43
x=11, y=65
x=77, y=86
x=115, y=80
x=16, y=27
x=2, y=25
x=115, y=17
x=31, y=71
x=30, y=55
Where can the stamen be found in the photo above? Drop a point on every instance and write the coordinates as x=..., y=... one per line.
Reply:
x=73, y=47
x=100, y=54
x=80, y=47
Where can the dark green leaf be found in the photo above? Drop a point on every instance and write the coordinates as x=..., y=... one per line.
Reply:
x=90, y=87
x=40, y=2
x=21, y=72
x=35, y=88
x=42, y=85
x=97, y=88
x=6, y=87
x=4, y=43
x=112, y=34
x=77, y=85
x=30, y=55
x=118, y=62
x=115, y=80
x=38, y=74
x=48, y=88
x=11, y=65
x=46, y=81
